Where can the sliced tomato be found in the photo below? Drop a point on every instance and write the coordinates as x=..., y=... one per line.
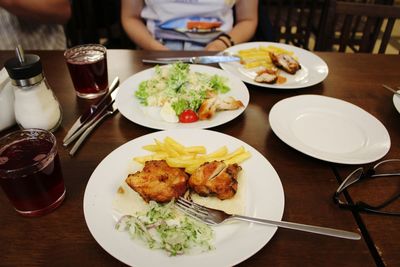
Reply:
x=188, y=116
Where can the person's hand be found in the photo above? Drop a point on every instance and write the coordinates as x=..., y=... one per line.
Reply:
x=216, y=45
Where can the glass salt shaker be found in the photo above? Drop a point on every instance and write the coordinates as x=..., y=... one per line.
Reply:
x=35, y=104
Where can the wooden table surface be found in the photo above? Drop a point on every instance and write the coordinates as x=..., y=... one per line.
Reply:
x=62, y=238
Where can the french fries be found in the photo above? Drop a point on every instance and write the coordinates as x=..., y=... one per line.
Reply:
x=259, y=57
x=189, y=157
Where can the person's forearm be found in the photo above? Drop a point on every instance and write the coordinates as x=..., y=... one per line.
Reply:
x=243, y=31
x=134, y=26
x=246, y=21
x=139, y=34
x=50, y=11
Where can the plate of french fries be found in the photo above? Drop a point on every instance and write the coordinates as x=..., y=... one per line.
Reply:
x=234, y=242
x=255, y=59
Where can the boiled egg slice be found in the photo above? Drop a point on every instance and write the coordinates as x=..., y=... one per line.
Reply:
x=168, y=113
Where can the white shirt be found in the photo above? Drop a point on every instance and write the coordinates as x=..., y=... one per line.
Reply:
x=30, y=35
x=190, y=20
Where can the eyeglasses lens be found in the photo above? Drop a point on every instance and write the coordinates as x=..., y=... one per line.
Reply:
x=382, y=191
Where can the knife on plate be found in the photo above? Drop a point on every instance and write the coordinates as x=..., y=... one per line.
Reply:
x=193, y=60
x=92, y=119
x=90, y=112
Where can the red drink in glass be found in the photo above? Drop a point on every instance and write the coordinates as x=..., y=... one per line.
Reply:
x=30, y=171
x=87, y=65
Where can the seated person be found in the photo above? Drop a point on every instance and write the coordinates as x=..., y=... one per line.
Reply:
x=35, y=25
x=189, y=25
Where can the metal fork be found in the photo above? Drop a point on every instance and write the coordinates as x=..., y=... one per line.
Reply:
x=215, y=217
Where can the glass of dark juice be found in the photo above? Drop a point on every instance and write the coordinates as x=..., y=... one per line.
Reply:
x=30, y=171
x=87, y=66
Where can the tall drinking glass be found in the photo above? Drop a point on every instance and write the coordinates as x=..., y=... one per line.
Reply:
x=87, y=66
x=30, y=171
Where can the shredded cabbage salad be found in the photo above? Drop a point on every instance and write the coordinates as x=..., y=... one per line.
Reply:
x=181, y=88
x=164, y=227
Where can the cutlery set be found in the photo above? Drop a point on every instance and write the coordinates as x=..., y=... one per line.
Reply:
x=86, y=123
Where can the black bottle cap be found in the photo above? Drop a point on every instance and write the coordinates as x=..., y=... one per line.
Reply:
x=30, y=67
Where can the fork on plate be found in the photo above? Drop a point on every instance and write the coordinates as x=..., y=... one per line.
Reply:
x=215, y=217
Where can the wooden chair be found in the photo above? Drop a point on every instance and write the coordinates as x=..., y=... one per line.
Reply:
x=361, y=25
x=96, y=21
x=289, y=21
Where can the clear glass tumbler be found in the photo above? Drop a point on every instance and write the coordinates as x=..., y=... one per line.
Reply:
x=87, y=66
x=30, y=171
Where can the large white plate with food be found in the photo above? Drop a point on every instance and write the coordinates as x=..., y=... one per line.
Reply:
x=131, y=108
x=313, y=69
x=329, y=129
x=396, y=101
x=234, y=242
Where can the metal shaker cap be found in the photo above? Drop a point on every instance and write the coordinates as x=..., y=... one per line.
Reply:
x=25, y=73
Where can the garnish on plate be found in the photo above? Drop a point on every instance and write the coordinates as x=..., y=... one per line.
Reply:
x=164, y=227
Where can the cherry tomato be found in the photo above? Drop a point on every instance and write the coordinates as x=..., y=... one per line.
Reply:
x=187, y=116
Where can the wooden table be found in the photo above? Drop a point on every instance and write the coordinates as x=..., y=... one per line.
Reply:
x=62, y=238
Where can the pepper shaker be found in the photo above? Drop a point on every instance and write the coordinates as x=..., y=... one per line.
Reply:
x=35, y=104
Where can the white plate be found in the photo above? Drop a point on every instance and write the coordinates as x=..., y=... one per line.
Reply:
x=313, y=69
x=234, y=242
x=396, y=101
x=130, y=107
x=329, y=129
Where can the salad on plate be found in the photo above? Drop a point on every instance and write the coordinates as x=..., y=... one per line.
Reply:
x=186, y=96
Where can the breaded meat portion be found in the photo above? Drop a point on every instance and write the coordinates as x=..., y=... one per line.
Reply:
x=158, y=181
x=215, y=179
x=285, y=62
x=213, y=104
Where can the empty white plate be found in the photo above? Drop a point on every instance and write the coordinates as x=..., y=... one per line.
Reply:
x=329, y=129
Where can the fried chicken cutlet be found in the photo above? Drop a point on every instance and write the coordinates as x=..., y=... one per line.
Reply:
x=215, y=179
x=285, y=62
x=158, y=181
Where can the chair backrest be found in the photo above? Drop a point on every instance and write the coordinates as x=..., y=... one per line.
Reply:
x=361, y=26
x=289, y=21
x=96, y=21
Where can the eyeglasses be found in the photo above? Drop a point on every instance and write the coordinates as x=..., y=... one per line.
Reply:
x=386, y=168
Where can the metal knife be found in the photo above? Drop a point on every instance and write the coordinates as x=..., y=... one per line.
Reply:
x=90, y=112
x=391, y=89
x=194, y=60
x=110, y=109
x=91, y=119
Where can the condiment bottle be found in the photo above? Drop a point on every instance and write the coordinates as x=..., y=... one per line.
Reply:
x=35, y=104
